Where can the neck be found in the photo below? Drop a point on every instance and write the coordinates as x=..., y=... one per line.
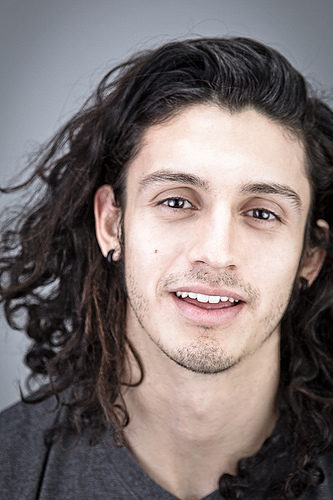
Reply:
x=187, y=429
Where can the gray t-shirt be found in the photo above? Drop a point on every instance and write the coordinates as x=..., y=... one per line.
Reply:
x=30, y=471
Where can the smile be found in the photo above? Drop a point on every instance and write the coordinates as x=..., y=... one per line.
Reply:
x=202, y=298
x=208, y=310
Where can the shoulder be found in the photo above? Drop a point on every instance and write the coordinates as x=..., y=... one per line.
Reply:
x=22, y=448
x=25, y=423
x=326, y=462
x=325, y=490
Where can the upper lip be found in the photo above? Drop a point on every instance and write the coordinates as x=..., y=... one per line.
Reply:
x=208, y=291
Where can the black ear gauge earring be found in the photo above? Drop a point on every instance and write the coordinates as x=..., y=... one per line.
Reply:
x=304, y=284
x=109, y=256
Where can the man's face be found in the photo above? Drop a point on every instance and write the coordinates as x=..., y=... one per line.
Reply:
x=213, y=229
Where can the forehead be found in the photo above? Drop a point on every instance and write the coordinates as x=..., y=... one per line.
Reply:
x=221, y=149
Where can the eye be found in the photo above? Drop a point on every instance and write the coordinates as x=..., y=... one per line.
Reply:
x=262, y=214
x=177, y=203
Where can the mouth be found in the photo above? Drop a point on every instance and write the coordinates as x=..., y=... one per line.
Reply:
x=208, y=309
x=207, y=301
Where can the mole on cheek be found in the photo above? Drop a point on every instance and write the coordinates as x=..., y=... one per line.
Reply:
x=155, y=251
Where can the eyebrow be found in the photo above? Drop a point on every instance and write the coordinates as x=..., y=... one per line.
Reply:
x=272, y=188
x=166, y=176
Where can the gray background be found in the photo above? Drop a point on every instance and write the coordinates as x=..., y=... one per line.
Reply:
x=53, y=53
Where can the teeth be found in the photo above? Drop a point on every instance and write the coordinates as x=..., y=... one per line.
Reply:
x=200, y=297
x=214, y=299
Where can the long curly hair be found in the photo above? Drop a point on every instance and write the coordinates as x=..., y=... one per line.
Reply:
x=57, y=287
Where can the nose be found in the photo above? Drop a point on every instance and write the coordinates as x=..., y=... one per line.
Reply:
x=216, y=241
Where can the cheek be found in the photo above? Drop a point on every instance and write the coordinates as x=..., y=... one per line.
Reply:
x=275, y=268
x=150, y=247
x=279, y=282
x=276, y=288
x=145, y=263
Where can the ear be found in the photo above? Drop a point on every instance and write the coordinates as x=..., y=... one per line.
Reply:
x=107, y=221
x=314, y=257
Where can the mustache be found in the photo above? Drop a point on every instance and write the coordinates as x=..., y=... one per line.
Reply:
x=246, y=290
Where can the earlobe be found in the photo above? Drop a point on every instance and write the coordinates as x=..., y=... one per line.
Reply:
x=314, y=258
x=107, y=221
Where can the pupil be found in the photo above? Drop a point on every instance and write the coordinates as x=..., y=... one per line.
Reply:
x=176, y=203
x=262, y=214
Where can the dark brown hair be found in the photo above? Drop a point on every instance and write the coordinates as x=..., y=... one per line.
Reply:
x=57, y=287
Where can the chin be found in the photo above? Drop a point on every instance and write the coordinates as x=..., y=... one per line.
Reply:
x=201, y=358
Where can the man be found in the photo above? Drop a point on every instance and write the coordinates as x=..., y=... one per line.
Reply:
x=176, y=279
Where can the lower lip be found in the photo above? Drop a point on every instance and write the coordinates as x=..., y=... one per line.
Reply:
x=202, y=315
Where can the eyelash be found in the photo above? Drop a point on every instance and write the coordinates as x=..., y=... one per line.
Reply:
x=177, y=199
x=256, y=213
x=265, y=211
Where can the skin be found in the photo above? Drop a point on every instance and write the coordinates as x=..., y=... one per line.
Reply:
x=216, y=204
